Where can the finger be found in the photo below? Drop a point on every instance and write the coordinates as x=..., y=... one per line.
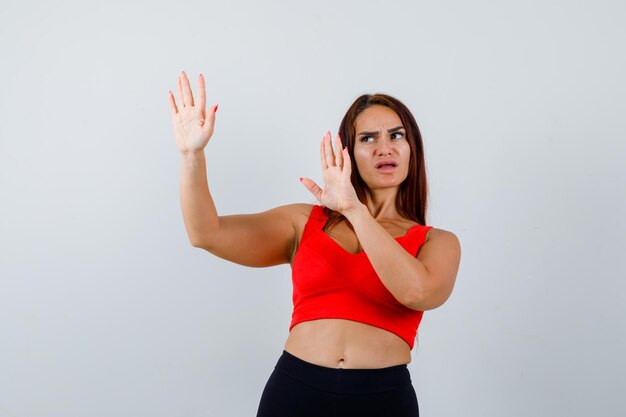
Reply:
x=338, y=153
x=181, y=98
x=201, y=94
x=187, y=90
x=173, y=108
x=347, y=163
x=328, y=149
x=209, y=122
x=323, y=154
x=313, y=188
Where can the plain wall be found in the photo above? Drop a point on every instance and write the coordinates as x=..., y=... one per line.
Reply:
x=105, y=308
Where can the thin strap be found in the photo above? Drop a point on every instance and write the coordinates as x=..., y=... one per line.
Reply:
x=416, y=237
x=314, y=224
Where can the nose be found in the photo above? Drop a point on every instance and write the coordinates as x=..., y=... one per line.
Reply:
x=384, y=147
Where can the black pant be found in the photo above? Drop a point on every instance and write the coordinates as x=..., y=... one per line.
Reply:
x=297, y=388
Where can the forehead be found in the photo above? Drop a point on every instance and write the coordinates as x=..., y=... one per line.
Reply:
x=376, y=117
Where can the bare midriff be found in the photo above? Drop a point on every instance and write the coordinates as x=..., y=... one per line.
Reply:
x=339, y=343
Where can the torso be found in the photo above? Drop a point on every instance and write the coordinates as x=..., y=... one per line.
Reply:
x=340, y=343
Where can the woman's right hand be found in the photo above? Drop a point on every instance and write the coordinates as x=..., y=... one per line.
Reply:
x=193, y=127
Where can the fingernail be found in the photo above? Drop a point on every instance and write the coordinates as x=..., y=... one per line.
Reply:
x=216, y=106
x=300, y=179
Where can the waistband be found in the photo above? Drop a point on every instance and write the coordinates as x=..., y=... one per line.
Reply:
x=341, y=380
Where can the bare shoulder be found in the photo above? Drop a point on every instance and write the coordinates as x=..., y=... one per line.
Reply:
x=441, y=256
x=298, y=213
x=301, y=209
x=440, y=239
x=279, y=216
x=440, y=233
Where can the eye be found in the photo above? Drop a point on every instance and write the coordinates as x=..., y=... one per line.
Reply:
x=364, y=138
x=400, y=135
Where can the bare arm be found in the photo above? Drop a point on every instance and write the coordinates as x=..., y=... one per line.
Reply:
x=258, y=240
x=422, y=283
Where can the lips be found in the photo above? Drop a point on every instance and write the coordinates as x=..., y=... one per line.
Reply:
x=386, y=163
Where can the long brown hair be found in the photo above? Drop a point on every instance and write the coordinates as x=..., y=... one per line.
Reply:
x=411, y=201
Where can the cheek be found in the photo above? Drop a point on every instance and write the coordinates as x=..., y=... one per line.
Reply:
x=406, y=156
x=407, y=151
x=360, y=160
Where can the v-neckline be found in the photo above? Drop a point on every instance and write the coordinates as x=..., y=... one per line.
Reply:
x=360, y=252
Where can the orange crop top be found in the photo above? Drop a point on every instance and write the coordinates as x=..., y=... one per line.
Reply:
x=329, y=282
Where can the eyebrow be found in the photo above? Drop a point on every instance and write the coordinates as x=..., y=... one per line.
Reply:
x=375, y=132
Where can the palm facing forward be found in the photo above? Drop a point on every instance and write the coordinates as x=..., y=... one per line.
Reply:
x=192, y=126
x=338, y=193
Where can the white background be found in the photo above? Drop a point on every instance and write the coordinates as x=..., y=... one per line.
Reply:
x=105, y=308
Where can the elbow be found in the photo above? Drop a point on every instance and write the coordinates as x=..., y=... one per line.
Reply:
x=201, y=240
x=424, y=300
x=193, y=241
x=415, y=302
x=197, y=243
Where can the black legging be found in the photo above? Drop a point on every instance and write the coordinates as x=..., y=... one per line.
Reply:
x=297, y=388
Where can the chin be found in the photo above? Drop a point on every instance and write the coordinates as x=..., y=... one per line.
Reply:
x=383, y=184
x=388, y=181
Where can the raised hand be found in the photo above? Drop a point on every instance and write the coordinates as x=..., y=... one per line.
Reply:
x=193, y=127
x=338, y=193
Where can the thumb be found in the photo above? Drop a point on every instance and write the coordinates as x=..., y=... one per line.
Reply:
x=312, y=187
x=209, y=121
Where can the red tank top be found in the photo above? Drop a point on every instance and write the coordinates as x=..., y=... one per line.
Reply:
x=329, y=282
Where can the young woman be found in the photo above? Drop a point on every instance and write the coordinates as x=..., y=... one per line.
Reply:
x=365, y=265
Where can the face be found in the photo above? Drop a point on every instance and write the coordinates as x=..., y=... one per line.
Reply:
x=380, y=137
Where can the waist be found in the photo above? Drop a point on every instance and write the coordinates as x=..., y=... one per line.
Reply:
x=339, y=343
x=394, y=318
x=344, y=381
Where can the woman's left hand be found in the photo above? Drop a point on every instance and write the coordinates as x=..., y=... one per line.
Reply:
x=338, y=193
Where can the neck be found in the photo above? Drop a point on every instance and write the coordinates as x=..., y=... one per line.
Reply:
x=382, y=203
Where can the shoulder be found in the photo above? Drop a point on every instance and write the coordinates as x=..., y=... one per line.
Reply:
x=442, y=239
x=292, y=216
x=298, y=210
x=441, y=256
x=297, y=213
x=295, y=209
